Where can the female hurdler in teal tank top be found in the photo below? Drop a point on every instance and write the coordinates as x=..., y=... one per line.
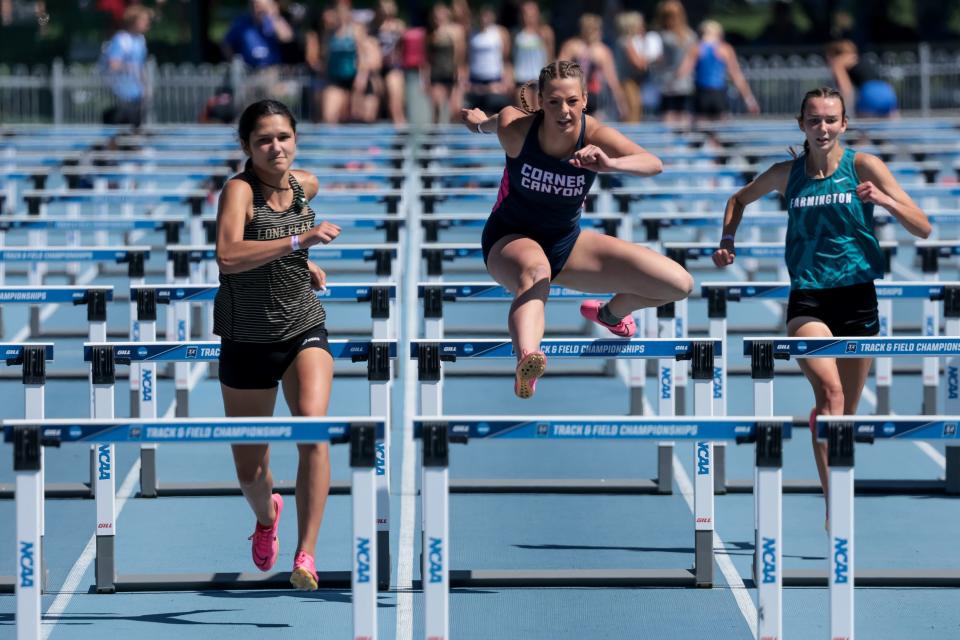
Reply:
x=830, y=241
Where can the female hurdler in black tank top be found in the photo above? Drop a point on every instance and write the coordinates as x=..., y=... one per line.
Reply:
x=274, y=301
x=540, y=197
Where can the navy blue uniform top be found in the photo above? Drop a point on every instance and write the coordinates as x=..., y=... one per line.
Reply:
x=542, y=193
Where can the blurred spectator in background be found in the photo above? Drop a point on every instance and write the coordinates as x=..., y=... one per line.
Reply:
x=446, y=60
x=365, y=103
x=491, y=72
x=635, y=53
x=336, y=50
x=710, y=62
x=461, y=14
x=124, y=61
x=533, y=45
x=258, y=36
x=389, y=30
x=605, y=98
x=676, y=91
x=859, y=81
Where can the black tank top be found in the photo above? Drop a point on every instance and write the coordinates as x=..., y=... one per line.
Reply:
x=274, y=301
x=541, y=192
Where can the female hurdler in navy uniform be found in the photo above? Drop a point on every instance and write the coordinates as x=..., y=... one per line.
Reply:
x=832, y=253
x=533, y=237
x=272, y=325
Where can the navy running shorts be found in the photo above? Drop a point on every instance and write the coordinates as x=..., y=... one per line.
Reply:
x=556, y=246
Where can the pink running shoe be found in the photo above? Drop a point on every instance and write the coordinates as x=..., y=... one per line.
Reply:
x=266, y=545
x=531, y=366
x=590, y=309
x=304, y=575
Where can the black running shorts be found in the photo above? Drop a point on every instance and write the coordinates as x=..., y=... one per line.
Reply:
x=256, y=365
x=847, y=311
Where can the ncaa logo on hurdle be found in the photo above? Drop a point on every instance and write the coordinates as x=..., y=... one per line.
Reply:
x=142, y=352
x=363, y=560
x=841, y=569
x=769, y=560
x=851, y=347
x=191, y=352
x=703, y=458
x=26, y=564
x=103, y=460
x=436, y=560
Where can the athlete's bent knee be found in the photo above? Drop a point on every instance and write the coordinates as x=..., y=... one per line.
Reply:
x=531, y=275
x=832, y=393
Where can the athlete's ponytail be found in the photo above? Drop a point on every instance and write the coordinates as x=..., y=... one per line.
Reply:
x=524, y=105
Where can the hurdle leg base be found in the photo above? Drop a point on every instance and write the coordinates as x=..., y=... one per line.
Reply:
x=665, y=468
x=148, y=472
x=719, y=468
x=183, y=403
x=952, y=485
x=929, y=401
x=883, y=401
x=636, y=401
x=383, y=560
x=703, y=554
x=134, y=405
x=34, y=321
x=104, y=567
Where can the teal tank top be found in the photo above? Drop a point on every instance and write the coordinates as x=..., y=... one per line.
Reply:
x=830, y=240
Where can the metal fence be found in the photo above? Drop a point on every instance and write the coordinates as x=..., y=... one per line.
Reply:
x=925, y=80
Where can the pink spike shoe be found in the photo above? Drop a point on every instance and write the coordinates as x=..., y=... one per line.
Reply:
x=304, y=574
x=266, y=544
x=531, y=366
x=590, y=309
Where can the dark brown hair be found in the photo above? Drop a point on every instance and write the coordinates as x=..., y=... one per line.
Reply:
x=820, y=92
x=252, y=114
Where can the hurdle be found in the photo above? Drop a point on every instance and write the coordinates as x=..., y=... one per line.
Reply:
x=841, y=433
x=145, y=298
x=32, y=359
x=430, y=198
x=36, y=257
x=429, y=355
x=30, y=436
x=438, y=432
x=681, y=252
x=383, y=256
x=763, y=351
x=433, y=224
x=103, y=358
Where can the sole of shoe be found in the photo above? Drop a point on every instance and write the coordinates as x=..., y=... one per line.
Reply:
x=530, y=367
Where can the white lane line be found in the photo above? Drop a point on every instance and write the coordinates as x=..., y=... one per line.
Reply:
x=934, y=455
x=730, y=573
x=408, y=487
x=408, y=509
x=72, y=583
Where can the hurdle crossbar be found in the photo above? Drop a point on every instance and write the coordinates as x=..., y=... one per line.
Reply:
x=30, y=436
x=438, y=432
